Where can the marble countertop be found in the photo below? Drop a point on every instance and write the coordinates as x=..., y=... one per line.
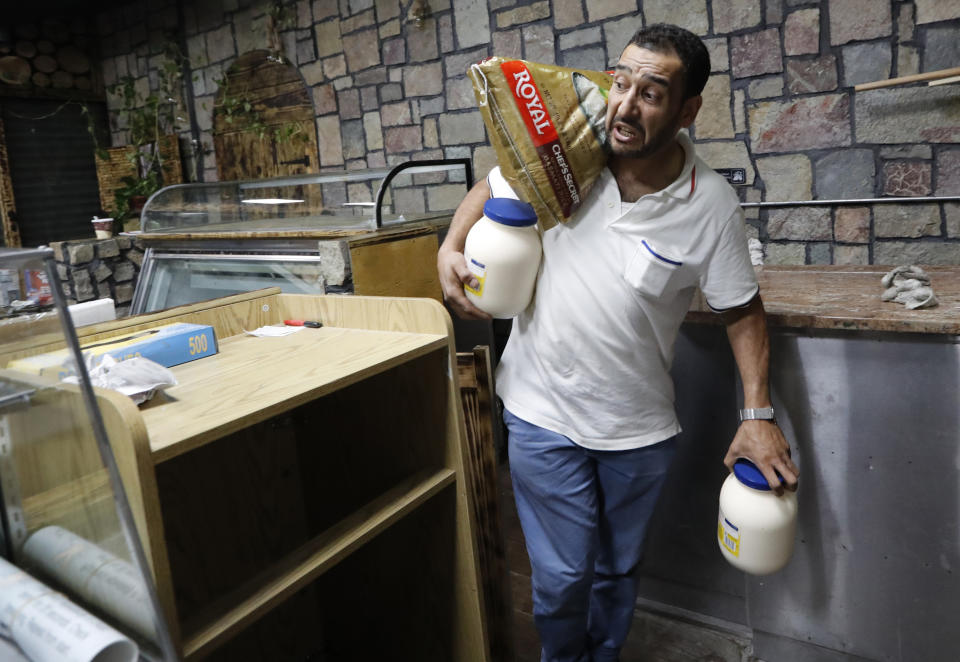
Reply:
x=848, y=298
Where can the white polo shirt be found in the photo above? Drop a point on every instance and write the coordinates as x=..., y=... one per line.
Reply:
x=590, y=357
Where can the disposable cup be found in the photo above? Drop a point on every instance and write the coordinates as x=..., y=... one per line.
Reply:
x=103, y=227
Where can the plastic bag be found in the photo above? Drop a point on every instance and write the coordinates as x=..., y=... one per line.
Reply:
x=137, y=377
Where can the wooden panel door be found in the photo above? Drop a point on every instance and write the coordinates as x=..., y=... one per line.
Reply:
x=245, y=141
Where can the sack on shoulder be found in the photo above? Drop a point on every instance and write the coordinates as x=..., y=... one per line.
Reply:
x=547, y=126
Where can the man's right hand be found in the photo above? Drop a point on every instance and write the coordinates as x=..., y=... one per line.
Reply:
x=451, y=265
x=454, y=273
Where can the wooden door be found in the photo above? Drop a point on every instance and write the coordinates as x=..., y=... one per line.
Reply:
x=245, y=141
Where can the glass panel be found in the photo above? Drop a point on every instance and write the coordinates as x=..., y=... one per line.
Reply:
x=341, y=200
x=178, y=280
x=301, y=202
x=72, y=572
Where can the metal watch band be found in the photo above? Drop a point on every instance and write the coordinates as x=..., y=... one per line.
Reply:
x=761, y=414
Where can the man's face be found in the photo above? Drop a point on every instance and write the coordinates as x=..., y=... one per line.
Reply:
x=645, y=108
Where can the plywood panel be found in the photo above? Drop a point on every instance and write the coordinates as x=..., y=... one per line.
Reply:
x=380, y=313
x=476, y=395
x=250, y=388
x=402, y=268
x=229, y=316
x=318, y=556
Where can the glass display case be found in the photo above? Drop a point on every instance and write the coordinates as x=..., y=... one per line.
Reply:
x=348, y=200
x=362, y=232
x=75, y=580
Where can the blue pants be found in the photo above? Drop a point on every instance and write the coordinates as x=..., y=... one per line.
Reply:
x=584, y=516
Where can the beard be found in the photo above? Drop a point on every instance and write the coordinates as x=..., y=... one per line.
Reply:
x=657, y=141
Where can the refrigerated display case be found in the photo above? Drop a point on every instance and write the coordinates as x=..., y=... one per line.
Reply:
x=373, y=232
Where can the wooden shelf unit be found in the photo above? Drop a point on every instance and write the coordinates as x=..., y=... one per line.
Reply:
x=285, y=486
x=232, y=612
x=256, y=378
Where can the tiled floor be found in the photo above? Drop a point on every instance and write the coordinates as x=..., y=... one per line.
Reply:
x=655, y=636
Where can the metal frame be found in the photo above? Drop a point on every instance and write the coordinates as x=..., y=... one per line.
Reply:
x=241, y=246
x=852, y=201
x=145, y=271
x=414, y=167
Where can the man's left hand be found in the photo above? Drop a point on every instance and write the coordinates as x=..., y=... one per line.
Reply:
x=762, y=443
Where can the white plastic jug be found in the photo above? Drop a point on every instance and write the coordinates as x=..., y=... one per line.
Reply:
x=503, y=251
x=755, y=528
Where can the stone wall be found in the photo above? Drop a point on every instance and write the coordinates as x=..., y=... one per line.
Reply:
x=779, y=102
x=99, y=268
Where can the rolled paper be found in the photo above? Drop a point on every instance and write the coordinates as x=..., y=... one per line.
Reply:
x=105, y=581
x=49, y=628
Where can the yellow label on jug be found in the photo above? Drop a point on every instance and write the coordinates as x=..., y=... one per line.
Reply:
x=728, y=535
x=480, y=271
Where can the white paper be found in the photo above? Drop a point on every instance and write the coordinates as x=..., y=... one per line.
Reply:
x=49, y=628
x=274, y=331
x=105, y=581
x=9, y=651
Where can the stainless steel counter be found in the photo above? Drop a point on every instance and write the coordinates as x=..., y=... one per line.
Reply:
x=874, y=419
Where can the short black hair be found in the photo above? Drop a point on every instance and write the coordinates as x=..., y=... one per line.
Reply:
x=664, y=38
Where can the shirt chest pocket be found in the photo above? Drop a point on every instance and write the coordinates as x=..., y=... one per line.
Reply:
x=652, y=272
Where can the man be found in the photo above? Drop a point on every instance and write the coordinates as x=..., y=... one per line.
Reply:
x=585, y=375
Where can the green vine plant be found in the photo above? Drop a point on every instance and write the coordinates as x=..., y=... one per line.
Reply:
x=278, y=17
x=148, y=117
x=240, y=113
x=157, y=113
x=144, y=115
x=134, y=187
x=98, y=149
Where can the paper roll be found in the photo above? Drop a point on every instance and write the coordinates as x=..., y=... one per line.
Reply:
x=105, y=581
x=49, y=628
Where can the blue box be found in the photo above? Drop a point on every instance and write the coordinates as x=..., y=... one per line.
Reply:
x=168, y=345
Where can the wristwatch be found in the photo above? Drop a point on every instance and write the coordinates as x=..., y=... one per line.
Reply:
x=759, y=414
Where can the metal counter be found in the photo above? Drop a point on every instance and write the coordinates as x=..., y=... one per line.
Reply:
x=874, y=420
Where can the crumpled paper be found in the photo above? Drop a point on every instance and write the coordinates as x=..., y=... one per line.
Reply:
x=756, y=251
x=137, y=377
x=909, y=285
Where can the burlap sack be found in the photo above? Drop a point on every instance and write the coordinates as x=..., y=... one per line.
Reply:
x=546, y=125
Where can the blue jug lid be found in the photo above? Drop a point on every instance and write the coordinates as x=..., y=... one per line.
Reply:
x=510, y=212
x=748, y=474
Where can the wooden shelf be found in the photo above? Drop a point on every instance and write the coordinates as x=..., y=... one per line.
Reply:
x=237, y=610
x=56, y=505
x=257, y=378
x=281, y=474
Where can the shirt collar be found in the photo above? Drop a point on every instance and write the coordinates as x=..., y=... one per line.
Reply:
x=685, y=185
x=682, y=188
